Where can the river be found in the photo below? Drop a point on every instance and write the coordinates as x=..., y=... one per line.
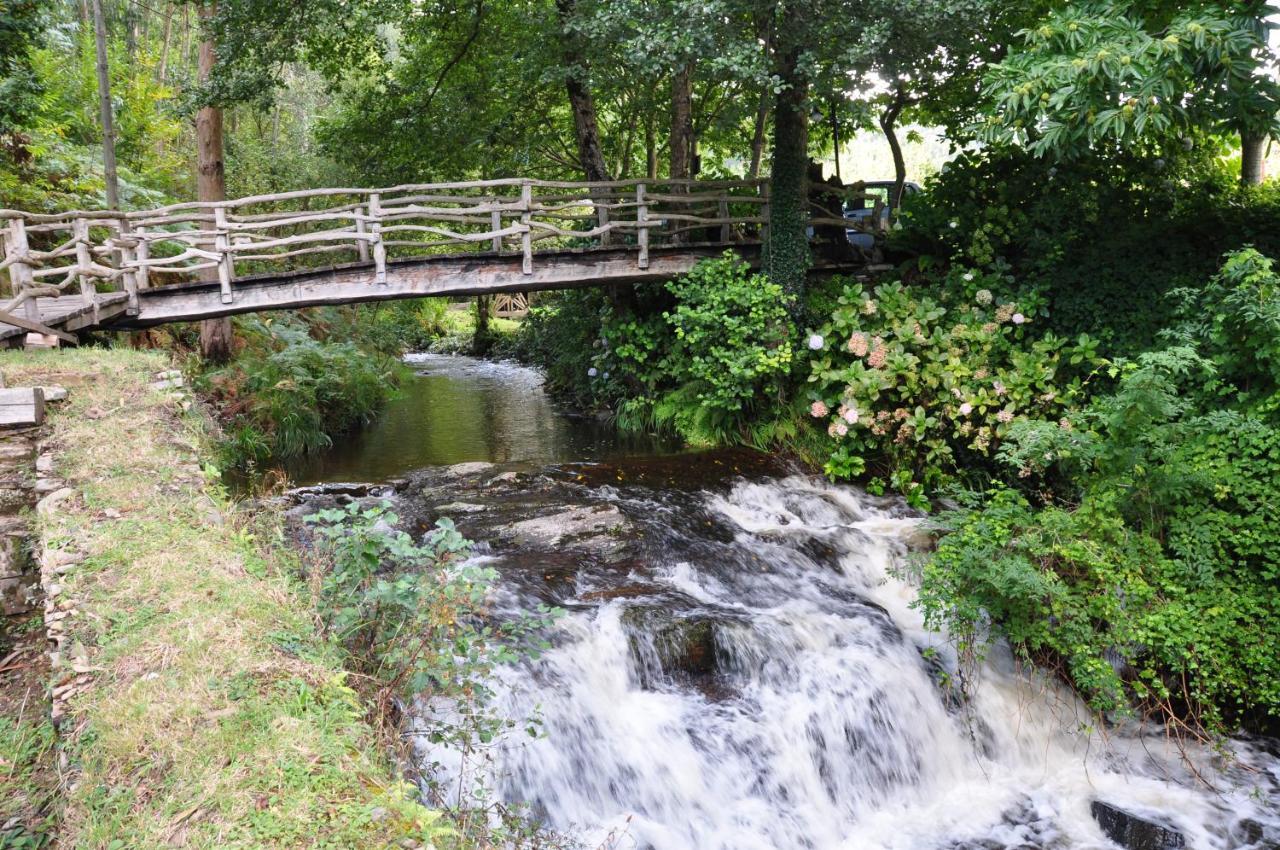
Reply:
x=740, y=666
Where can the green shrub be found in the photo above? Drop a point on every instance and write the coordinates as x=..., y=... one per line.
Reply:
x=911, y=386
x=1152, y=538
x=286, y=394
x=706, y=367
x=703, y=356
x=1105, y=238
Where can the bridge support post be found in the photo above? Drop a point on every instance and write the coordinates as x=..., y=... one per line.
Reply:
x=128, y=266
x=495, y=224
x=379, y=249
x=642, y=226
x=722, y=212
x=222, y=245
x=20, y=272
x=526, y=238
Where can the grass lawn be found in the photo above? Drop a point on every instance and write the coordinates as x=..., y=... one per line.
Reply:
x=216, y=717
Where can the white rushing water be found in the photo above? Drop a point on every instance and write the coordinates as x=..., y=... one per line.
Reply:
x=770, y=687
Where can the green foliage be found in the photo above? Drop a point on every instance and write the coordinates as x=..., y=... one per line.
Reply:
x=1103, y=73
x=20, y=32
x=287, y=394
x=412, y=616
x=910, y=386
x=1160, y=548
x=1072, y=229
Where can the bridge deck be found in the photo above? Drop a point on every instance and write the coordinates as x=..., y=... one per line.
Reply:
x=193, y=261
x=71, y=314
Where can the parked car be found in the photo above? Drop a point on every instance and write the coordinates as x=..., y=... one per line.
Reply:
x=860, y=211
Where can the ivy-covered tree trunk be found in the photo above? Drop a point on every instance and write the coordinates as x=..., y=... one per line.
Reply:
x=786, y=253
x=1253, y=162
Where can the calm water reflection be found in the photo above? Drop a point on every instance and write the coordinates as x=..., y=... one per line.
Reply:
x=458, y=409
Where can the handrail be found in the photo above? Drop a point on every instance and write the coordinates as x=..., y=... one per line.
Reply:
x=83, y=251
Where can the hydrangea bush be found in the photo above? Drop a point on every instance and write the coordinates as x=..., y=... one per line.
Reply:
x=903, y=381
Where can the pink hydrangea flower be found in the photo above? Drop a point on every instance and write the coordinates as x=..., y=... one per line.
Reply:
x=837, y=429
x=818, y=409
x=1018, y=318
x=966, y=409
x=849, y=413
x=1005, y=416
x=858, y=345
x=999, y=388
x=879, y=353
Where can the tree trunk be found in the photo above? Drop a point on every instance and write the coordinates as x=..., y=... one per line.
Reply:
x=787, y=256
x=758, y=137
x=162, y=66
x=211, y=185
x=682, y=123
x=888, y=123
x=1253, y=162
x=105, y=110
x=586, y=128
x=650, y=150
x=762, y=112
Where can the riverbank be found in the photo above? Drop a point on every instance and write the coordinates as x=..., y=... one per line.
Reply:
x=196, y=705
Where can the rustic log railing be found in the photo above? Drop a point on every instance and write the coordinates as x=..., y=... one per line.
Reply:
x=77, y=254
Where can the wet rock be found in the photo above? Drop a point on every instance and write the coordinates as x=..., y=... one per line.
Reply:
x=459, y=508
x=462, y=469
x=1251, y=834
x=591, y=526
x=1133, y=832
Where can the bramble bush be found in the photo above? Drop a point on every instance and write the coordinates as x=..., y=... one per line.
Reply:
x=910, y=386
x=1143, y=558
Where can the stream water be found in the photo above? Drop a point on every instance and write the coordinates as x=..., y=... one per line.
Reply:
x=739, y=666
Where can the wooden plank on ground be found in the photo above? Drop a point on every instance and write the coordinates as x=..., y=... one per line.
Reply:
x=21, y=406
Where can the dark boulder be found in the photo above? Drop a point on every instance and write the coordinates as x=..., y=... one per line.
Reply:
x=1133, y=832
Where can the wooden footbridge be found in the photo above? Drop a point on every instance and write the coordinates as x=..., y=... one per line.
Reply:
x=87, y=270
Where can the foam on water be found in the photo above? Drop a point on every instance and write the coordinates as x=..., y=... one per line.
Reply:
x=823, y=723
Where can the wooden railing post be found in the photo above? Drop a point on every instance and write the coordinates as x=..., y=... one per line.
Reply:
x=722, y=212
x=222, y=246
x=379, y=249
x=141, y=277
x=764, y=213
x=495, y=224
x=129, y=266
x=526, y=214
x=84, y=264
x=362, y=246
x=602, y=219
x=642, y=226
x=20, y=272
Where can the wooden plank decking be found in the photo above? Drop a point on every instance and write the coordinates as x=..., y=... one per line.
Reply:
x=71, y=314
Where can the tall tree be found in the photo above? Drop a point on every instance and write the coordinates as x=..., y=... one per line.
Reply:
x=211, y=183
x=586, y=125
